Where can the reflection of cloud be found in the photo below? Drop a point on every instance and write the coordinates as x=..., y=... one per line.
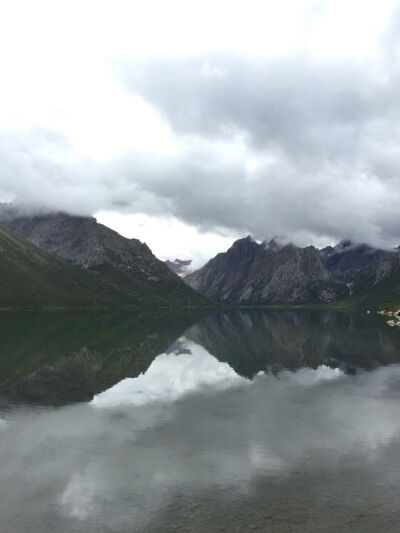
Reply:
x=3, y=424
x=146, y=449
x=337, y=415
x=262, y=459
x=309, y=376
x=77, y=499
x=170, y=377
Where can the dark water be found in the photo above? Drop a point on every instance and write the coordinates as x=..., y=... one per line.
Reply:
x=256, y=420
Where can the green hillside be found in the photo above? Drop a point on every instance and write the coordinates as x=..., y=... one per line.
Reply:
x=30, y=277
x=383, y=295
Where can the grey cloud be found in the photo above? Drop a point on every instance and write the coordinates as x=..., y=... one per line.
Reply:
x=327, y=131
x=324, y=136
x=296, y=103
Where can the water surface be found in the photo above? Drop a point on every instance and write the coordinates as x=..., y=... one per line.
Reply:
x=256, y=420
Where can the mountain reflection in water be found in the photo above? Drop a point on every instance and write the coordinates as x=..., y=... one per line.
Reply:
x=53, y=359
x=256, y=420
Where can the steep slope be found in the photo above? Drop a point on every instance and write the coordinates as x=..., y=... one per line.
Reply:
x=384, y=293
x=358, y=265
x=222, y=277
x=30, y=277
x=126, y=265
x=252, y=273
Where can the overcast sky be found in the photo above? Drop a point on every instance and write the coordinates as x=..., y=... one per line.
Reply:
x=190, y=123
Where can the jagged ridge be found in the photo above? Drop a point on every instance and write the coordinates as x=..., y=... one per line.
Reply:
x=251, y=273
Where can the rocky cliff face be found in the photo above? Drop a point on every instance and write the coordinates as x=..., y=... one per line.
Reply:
x=222, y=277
x=127, y=265
x=253, y=274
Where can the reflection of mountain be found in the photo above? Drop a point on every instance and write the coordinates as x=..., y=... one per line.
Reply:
x=255, y=340
x=56, y=358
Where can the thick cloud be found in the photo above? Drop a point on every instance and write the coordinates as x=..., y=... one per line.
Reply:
x=316, y=142
x=297, y=145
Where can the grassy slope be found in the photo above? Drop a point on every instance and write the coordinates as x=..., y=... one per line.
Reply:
x=30, y=277
x=130, y=285
x=384, y=295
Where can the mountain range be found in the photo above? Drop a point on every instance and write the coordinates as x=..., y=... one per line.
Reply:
x=61, y=260
x=252, y=273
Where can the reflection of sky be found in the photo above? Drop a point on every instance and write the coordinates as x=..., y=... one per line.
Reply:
x=189, y=423
x=171, y=376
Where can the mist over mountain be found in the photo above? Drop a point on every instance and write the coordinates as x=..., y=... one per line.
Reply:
x=180, y=266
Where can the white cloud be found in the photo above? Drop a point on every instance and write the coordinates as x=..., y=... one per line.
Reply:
x=171, y=376
x=169, y=238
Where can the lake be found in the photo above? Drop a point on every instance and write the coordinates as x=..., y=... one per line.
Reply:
x=242, y=420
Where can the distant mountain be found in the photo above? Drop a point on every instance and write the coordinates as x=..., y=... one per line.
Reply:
x=254, y=274
x=179, y=266
x=126, y=267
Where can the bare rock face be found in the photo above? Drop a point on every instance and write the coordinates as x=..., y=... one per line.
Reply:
x=222, y=277
x=79, y=240
x=126, y=264
x=253, y=274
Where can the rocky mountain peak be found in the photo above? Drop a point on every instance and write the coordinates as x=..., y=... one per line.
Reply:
x=252, y=273
x=245, y=248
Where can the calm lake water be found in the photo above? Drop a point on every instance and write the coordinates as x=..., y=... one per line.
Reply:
x=246, y=420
